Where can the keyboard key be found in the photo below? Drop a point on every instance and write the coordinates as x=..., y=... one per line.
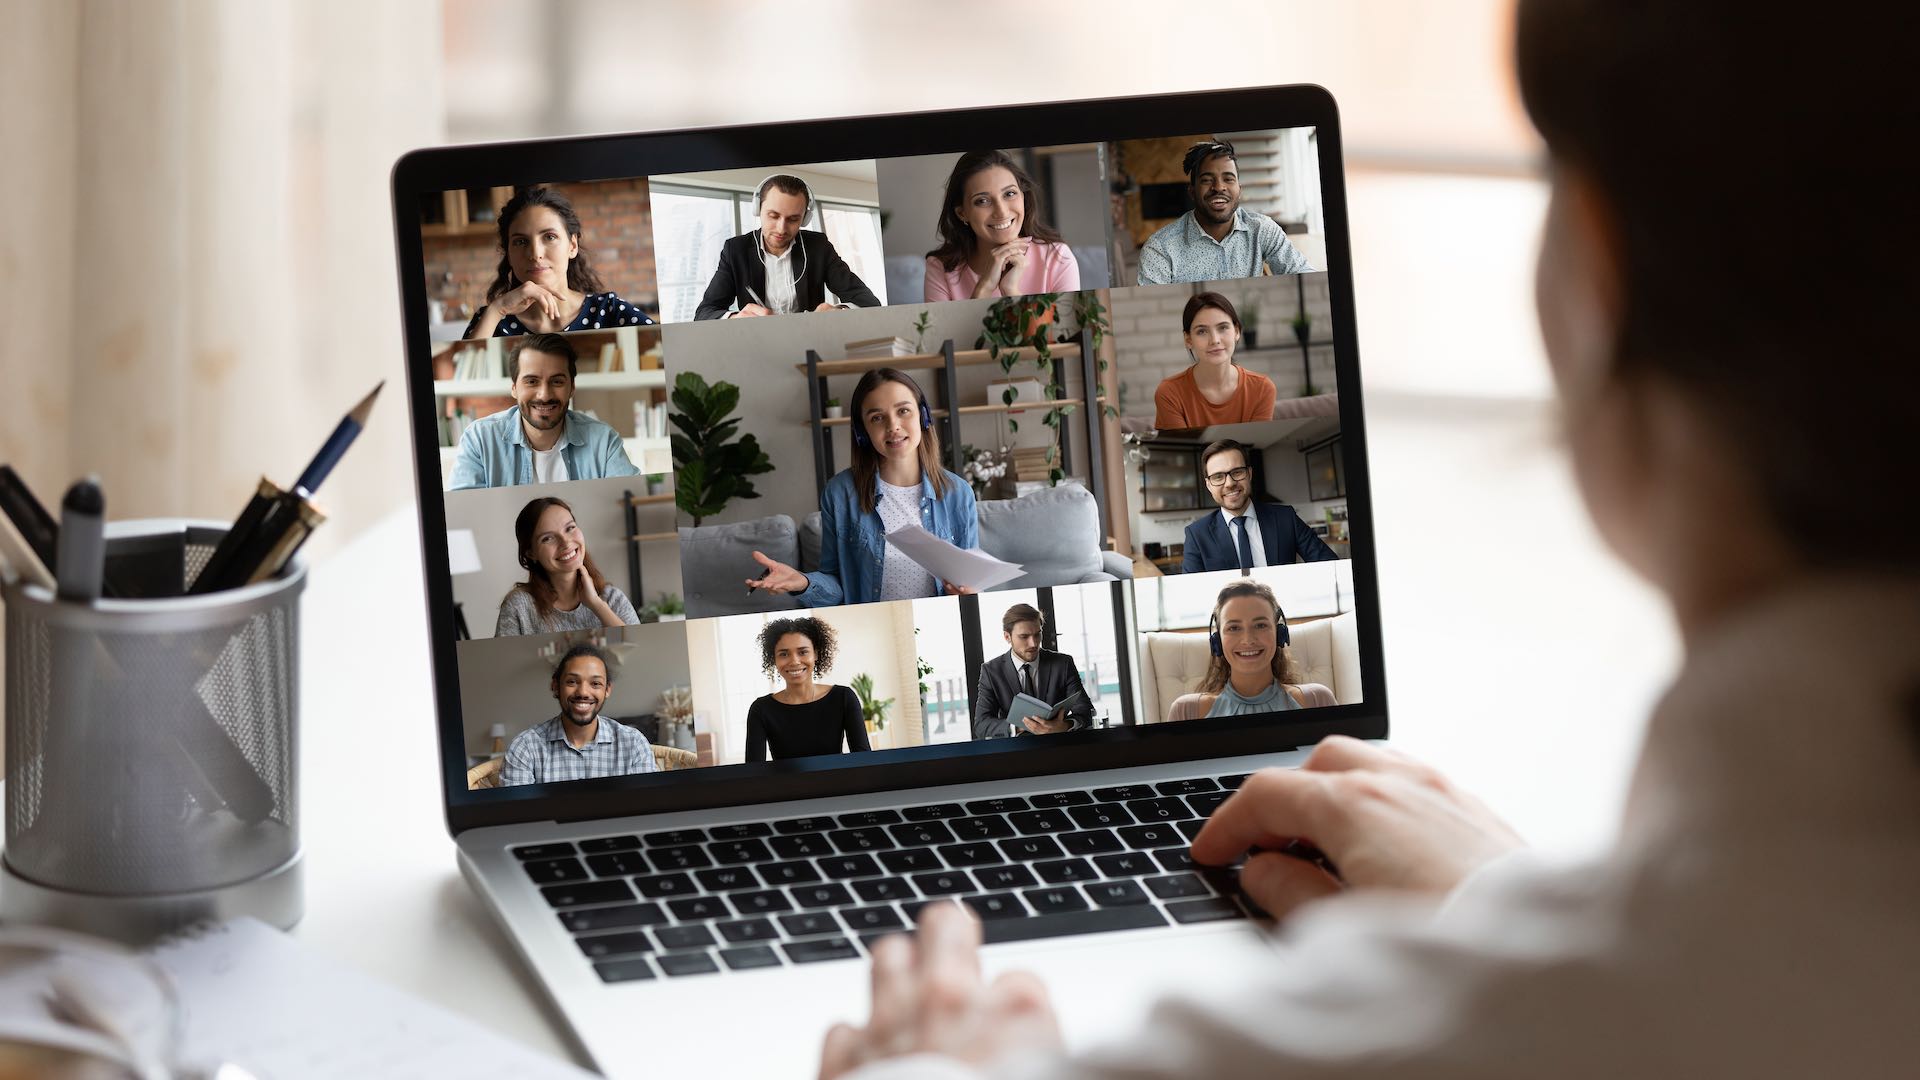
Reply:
x=735, y=852
x=811, y=924
x=934, y=812
x=555, y=871
x=812, y=952
x=875, y=890
x=921, y=834
x=746, y=831
x=612, y=918
x=609, y=843
x=1126, y=864
x=1207, y=802
x=1004, y=805
x=1116, y=893
x=1056, y=900
x=685, y=857
x=683, y=937
x=1152, y=836
x=864, y=819
x=980, y=828
x=818, y=896
x=790, y=873
x=1232, y=782
x=760, y=903
x=659, y=885
x=618, y=864
x=842, y=867
x=803, y=846
x=997, y=906
x=603, y=945
x=1186, y=787
x=1123, y=793
x=1176, y=886
x=1100, y=816
x=695, y=908
x=1030, y=822
x=1099, y=920
x=752, y=956
x=910, y=861
x=1191, y=828
x=868, y=919
x=1166, y=808
x=1092, y=842
x=1062, y=798
x=586, y=892
x=1004, y=877
x=692, y=963
x=728, y=878
x=1212, y=910
x=1174, y=859
x=976, y=854
x=627, y=970
x=747, y=930
x=1029, y=848
x=675, y=837
x=853, y=840
x=912, y=908
x=1062, y=871
x=943, y=883
x=556, y=850
x=803, y=825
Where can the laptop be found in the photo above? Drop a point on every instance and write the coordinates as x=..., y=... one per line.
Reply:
x=706, y=732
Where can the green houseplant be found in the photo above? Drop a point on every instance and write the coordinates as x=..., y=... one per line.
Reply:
x=711, y=467
x=1016, y=322
x=873, y=712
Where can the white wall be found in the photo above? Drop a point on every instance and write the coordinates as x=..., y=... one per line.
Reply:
x=508, y=681
x=847, y=181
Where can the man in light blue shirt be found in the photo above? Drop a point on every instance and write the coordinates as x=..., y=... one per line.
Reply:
x=1218, y=239
x=540, y=440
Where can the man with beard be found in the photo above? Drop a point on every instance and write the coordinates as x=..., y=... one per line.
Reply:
x=1217, y=239
x=539, y=441
x=578, y=744
x=1026, y=668
x=780, y=268
x=1245, y=534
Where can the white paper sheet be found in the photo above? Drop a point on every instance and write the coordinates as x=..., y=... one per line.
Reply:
x=968, y=568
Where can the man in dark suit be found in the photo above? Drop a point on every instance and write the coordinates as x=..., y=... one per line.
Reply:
x=1245, y=534
x=781, y=268
x=1026, y=668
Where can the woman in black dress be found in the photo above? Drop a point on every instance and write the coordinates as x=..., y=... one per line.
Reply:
x=804, y=717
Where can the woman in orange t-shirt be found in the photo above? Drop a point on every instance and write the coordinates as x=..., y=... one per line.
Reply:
x=1215, y=390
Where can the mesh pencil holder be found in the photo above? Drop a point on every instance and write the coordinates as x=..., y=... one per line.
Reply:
x=151, y=745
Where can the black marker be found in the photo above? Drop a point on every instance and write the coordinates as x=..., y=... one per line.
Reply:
x=82, y=542
x=762, y=577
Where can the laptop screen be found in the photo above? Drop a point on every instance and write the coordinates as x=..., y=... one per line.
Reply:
x=804, y=465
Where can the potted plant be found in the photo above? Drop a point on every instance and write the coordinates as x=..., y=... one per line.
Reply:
x=1302, y=327
x=873, y=712
x=920, y=330
x=982, y=467
x=831, y=408
x=711, y=466
x=670, y=608
x=1250, y=324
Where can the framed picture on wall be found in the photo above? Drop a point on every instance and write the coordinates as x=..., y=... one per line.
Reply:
x=1326, y=472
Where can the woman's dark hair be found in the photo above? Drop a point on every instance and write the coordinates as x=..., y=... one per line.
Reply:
x=1203, y=301
x=580, y=273
x=866, y=456
x=537, y=585
x=957, y=242
x=808, y=627
x=1792, y=336
x=1285, y=671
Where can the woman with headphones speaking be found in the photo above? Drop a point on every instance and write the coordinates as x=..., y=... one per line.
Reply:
x=895, y=480
x=781, y=268
x=1251, y=670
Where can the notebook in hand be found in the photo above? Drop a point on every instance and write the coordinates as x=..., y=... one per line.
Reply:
x=722, y=734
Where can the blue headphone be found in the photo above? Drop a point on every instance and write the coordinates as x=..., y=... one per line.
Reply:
x=860, y=432
x=1283, y=635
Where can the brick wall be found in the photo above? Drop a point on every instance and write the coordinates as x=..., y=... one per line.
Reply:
x=1149, y=347
x=616, y=228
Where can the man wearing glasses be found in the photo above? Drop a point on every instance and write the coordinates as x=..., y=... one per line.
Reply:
x=1217, y=239
x=1245, y=534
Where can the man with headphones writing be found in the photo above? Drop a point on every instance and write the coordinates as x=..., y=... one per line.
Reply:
x=781, y=268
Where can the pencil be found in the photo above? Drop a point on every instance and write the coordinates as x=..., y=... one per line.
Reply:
x=336, y=445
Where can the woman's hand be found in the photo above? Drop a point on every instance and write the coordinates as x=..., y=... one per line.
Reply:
x=951, y=589
x=1382, y=819
x=596, y=603
x=529, y=301
x=1003, y=274
x=928, y=997
x=778, y=577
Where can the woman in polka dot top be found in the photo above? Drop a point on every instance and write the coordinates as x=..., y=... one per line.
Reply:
x=546, y=283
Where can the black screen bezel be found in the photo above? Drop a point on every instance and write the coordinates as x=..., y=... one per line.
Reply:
x=605, y=157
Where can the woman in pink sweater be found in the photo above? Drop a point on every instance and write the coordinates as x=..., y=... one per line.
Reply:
x=992, y=241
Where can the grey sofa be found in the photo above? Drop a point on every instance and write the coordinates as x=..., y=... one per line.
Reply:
x=1054, y=534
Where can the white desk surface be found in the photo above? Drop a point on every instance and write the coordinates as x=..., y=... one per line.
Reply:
x=1521, y=659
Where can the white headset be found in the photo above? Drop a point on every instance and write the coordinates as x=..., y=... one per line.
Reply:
x=759, y=244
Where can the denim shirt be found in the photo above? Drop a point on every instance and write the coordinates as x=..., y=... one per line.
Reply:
x=853, y=543
x=494, y=452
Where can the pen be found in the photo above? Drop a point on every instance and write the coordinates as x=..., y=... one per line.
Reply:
x=82, y=552
x=762, y=577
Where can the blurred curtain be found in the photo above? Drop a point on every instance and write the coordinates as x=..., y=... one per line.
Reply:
x=198, y=265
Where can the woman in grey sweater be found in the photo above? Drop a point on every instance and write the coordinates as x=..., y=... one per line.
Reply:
x=564, y=590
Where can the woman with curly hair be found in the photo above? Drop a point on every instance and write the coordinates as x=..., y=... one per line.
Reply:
x=804, y=717
x=545, y=283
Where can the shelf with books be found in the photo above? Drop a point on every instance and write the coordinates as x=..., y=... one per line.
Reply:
x=587, y=380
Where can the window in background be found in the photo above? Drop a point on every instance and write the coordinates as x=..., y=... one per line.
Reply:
x=946, y=707
x=855, y=233
x=1083, y=625
x=739, y=666
x=1178, y=602
x=693, y=222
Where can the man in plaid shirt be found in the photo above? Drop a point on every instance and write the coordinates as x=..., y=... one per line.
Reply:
x=578, y=744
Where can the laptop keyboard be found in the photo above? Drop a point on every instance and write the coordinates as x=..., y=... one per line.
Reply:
x=811, y=889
